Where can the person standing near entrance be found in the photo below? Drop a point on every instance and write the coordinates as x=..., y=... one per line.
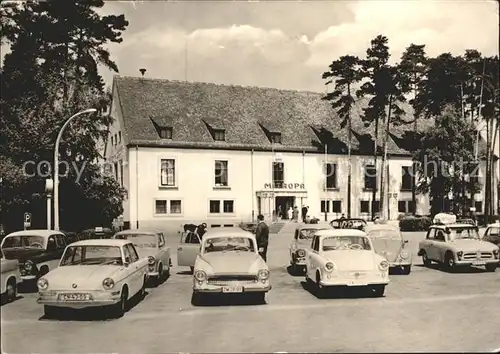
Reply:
x=290, y=214
x=304, y=214
x=262, y=237
x=295, y=214
x=280, y=212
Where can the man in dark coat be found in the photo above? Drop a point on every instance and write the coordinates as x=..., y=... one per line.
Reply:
x=262, y=236
x=304, y=214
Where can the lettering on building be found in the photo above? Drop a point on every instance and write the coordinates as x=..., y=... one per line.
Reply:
x=285, y=186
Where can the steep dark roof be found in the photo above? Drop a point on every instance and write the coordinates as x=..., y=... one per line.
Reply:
x=305, y=121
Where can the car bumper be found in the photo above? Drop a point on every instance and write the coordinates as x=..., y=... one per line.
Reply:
x=300, y=262
x=97, y=299
x=28, y=278
x=400, y=264
x=366, y=280
x=153, y=274
x=245, y=288
x=477, y=262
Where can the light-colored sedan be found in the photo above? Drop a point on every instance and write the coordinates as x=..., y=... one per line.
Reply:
x=301, y=243
x=492, y=234
x=458, y=245
x=389, y=243
x=229, y=262
x=150, y=244
x=94, y=273
x=345, y=258
x=9, y=277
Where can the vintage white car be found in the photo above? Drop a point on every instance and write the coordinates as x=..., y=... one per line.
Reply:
x=188, y=249
x=38, y=251
x=492, y=234
x=150, y=244
x=345, y=257
x=229, y=262
x=301, y=243
x=94, y=273
x=457, y=245
x=389, y=243
x=9, y=277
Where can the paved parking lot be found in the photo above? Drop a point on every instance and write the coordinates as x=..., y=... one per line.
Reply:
x=428, y=310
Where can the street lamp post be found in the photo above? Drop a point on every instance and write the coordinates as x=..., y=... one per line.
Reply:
x=56, y=165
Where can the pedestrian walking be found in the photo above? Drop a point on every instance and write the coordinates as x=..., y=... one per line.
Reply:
x=304, y=213
x=290, y=214
x=280, y=212
x=295, y=213
x=262, y=236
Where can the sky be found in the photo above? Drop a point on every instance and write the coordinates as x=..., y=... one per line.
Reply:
x=287, y=44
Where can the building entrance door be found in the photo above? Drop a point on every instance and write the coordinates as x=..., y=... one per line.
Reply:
x=285, y=203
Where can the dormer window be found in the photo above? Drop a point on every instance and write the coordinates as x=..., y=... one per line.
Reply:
x=275, y=138
x=219, y=135
x=165, y=132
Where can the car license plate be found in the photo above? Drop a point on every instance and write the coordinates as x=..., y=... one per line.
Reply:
x=356, y=283
x=232, y=289
x=478, y=263
x=74, y=297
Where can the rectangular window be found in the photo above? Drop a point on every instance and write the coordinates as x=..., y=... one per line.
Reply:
x=219, y=135
x=412, y=207
x=116, y=171
x=175, y=207
x=214, y=206
x=479, y=206
x=370, y=177
x=116, y=139
x=166, y=133
x=323, y=203
x=336, y=206
x=168, y=172
x=221, y=173
x=331, y=175
x=160, y=206
x=278, y=174
x=402, y=206
x=119, y=137
x=376, y=206
x=228, y=206
x=364, y=206
x=112, y=141
x=406, y=178
x=121, y=173
x=276, y=138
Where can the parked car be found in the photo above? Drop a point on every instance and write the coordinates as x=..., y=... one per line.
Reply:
x=94, y=273
x=97, y=233
x=151, y=245
x=229, y=262
x=9, y=278
x=388, y=242
x=457, y=245
x=345, y=257
x=492, y=234
x=301, y=243
x=249, y=226
x=38, y=251
x=353, y=223
x=71, y=236
x=188, y=249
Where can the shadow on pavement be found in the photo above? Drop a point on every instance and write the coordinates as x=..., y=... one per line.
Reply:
x=216, y=300
x=6, y=301
x=338, y=292
x=297, y=273
x=460, y=270
x=91, y=313
x=185, y=272
x=27, y=287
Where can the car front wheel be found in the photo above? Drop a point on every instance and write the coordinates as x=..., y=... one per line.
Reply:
x=427, y=262
x=11, y=291
x=491, y=267
x=118, y=310
x=449, y=262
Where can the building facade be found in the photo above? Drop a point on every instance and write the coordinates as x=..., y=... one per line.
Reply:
x=218, y=161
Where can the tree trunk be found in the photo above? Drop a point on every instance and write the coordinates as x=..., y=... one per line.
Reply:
x=413, y=169
x=488, y=174
x=349, y=167
x=384, y=158
x=375, y=151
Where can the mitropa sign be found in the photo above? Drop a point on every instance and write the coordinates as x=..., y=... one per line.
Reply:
x=285, y=186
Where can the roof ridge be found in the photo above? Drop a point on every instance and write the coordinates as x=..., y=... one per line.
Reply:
x=138, y=78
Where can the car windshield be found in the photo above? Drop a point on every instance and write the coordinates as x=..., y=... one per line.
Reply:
x=92, y=255
x=388, y=234
x=25, y=241
x=338, y=243
x=223, y=244
x=307, y=234
x=463, y=233
x=140, y=240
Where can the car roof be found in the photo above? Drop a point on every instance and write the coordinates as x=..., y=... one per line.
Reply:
x=227, y=231
x=314, y=227
x=497, y=224
x=138, y=232
x=36, y=232
x=340, y=232
x=101, y=242
x=381, y=227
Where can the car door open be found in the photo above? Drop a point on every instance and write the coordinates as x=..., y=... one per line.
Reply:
x=188, y=249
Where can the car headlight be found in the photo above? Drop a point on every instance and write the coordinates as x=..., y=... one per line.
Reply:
x=42, y=284
x=28, y=266
x=151, y=260
x=329, y=266
x=301, y=253
x=495, y=253
x=404, y=255
x=460, y=254
x=263, y=274
x=200, y=275
x=384, y=265
x=108, y=283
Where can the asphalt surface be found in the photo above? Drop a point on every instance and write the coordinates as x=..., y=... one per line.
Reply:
x=427, y=311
